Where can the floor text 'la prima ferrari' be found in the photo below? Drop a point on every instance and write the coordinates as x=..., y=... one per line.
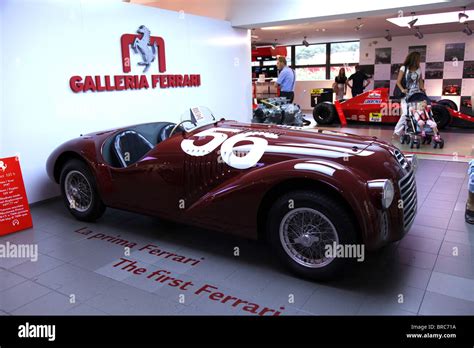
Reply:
x=302, y=191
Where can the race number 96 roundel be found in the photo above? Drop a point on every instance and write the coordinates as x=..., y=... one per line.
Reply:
x=253, y=152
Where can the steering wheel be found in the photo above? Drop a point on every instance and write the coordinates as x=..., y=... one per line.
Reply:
x=179, y=124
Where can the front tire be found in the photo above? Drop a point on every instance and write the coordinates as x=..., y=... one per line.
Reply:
x=79, y=191
x=300, y=226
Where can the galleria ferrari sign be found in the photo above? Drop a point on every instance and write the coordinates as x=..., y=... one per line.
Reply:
x=150, y=48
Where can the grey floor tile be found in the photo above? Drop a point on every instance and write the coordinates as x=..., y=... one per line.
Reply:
x=463, y=252
x=248, y=280
x=450, y=285
x=29, y=236
x=459, y=223
x=415, y=258
x=9, y=279
x=52, y=303
x=21, y=294
x=431, y=221
x=427, y=232
x=123, y=299
x=460, y=237
x=421, y=244
x=69, y=279
x=31, y=269
x=289, y=290
x=83, y=309
x=437, y=304
x=455, y=266
x=449, y=197
x=93, y=260
x=333, y=301
x=394, y=275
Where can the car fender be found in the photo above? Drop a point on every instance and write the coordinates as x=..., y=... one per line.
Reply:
x=248, y=190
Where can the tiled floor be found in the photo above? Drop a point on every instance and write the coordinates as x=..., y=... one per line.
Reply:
x=431, y=271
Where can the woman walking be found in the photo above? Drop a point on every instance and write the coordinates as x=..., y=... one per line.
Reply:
x=410, y=81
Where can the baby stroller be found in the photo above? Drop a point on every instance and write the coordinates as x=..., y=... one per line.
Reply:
x=419, y=105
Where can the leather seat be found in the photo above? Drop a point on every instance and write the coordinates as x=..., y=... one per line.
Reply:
x=166, y=130
x=129, y=147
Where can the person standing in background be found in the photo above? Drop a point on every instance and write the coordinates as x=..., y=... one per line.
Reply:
x=340, y=84
x=286, y=79
x=359, y=81
x=410, y=81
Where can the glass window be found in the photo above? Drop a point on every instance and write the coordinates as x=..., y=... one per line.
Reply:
x=311, y=74
x=335, y=70
x=345, y=52
x=288, y=55
x=313, y=54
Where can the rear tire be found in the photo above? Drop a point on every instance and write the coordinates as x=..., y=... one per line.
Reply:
x=325, y=113
x=298, y=245
x=79, y=191
x=441, y=116
x=448, y=103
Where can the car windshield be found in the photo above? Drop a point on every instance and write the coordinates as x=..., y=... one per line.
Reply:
x=196, y=117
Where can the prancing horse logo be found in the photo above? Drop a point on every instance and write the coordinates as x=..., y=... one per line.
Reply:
x=148, y=46
x=145, y=48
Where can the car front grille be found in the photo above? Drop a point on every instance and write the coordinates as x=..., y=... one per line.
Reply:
x=408, y=195
x=400, y=158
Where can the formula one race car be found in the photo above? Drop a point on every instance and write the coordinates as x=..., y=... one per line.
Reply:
x=377, y=107
x=307, y=192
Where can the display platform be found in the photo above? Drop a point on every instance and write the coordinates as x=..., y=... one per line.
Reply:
x=132, y=264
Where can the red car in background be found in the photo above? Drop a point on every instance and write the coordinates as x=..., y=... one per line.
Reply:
x=376, y=106
x=305, y=192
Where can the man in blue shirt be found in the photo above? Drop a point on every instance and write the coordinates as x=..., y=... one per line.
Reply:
x=286, y=79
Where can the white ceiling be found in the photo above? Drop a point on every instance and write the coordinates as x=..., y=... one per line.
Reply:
x=343, y=30
x=336, y=29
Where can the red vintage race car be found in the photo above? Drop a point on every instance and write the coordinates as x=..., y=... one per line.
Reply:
x=308, y=193
x=376, y=106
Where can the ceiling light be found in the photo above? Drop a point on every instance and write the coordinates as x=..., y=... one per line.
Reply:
x=305, y=43
x=467, y=30
x=430, y=19
x=418, y=33
x=413, y=21
x=388, y=37
x=324, y=29
x=359, y=24
x=273, y=28
x=463, y=16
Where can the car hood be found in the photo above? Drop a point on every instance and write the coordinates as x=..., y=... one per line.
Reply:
x=297, y=141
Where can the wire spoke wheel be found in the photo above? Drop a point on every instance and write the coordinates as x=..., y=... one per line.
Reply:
x=78, y=191
x=304, y=234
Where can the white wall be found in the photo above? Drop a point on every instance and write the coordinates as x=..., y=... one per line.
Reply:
x=45, y=42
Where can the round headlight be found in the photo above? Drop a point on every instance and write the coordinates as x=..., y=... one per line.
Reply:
x=387, y=194
x=384, y=189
